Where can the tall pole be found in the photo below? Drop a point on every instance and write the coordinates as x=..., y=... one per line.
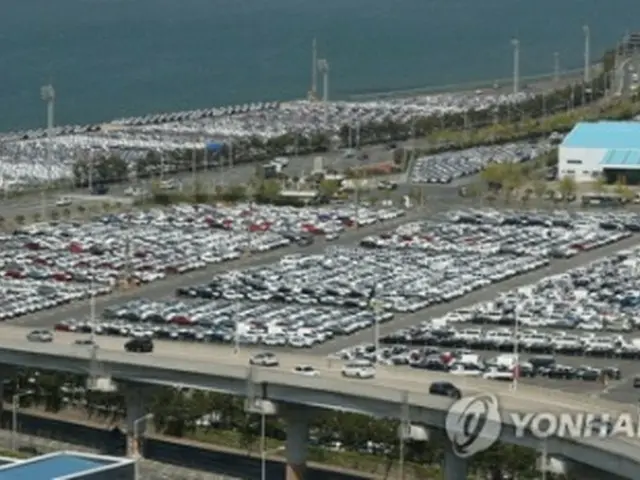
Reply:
x=516, y=65
x=587, y=53
x=194, y=180
x=556, y=67
x=14, y=420
x=236, y=338
x=263, y=449
x=314, y=68
x=405, y=426
x=92, y=304
x=516, y=351
x=47, y=93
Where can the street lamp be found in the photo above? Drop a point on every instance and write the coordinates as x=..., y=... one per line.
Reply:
x=314, y=69
x=15, y=404
x=48, y=95
x=516, y=352
x=516, y=64
x=323, y=67
x=136, y=440
x=587, y=53
x=556, y=67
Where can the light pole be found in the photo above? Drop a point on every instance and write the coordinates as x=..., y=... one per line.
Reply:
x=48, y=95
x=587, y=53
x=15, y=404
x=263, y=445
x=377, y=308
x=236, y=337
x=516, y=351
x=314, y=68
x=516, y=65
x=556, y=67
x=136, y=439
x=323, y=67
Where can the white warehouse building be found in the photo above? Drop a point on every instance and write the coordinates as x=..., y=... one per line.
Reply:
x=608, y=149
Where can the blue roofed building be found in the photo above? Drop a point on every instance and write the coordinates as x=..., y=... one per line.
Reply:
x=69, y=466
x=607, y=148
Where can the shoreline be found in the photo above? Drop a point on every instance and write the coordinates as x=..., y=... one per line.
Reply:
x=533, y=83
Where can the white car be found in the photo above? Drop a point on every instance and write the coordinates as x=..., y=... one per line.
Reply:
x=266, y=359
x=44, y=336
x=359, y=369
x=63, y=202
x=306, y=370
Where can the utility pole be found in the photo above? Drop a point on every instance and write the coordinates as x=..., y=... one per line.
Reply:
x=405, y=429
x=587, y=53
x=556, y=67
x=323, y=66
x=516, y=65
x=48, y=95
x=314, y=68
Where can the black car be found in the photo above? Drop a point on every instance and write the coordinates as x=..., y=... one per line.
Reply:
x=140, y=345
x=445, y=389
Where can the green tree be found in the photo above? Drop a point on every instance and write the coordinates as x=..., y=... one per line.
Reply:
x=328, y=188
x=268, y=191
x=567, y=187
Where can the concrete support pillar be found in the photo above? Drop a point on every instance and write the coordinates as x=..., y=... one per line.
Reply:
x=136, y=423
x=297, y=420
x=455, y=467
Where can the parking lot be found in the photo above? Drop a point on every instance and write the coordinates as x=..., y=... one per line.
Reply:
x=29, y=157
x=305, y=300
x=577, y=330
x=444, y=168
x=45, y=265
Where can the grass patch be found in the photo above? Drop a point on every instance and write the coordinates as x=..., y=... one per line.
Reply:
x=14, y=454
x=362, y=462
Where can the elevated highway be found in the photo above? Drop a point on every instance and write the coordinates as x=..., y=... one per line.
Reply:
x=395, y=392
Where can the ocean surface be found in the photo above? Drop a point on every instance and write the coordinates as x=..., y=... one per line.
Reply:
x=114, y=58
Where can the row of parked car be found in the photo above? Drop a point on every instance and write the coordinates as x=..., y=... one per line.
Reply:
x=466, y=363
x=485, y=232
x=226, y=321
x=450, y=166
x=306, y=299
x=46, y=264
x=590, y=310
x=405, y=281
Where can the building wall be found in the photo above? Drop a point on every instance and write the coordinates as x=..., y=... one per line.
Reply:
x=583, y=164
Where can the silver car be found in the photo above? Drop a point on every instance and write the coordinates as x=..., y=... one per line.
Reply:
x=266, y=359
x=43, y=336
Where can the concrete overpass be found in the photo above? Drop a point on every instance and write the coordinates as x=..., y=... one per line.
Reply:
x=395, y=392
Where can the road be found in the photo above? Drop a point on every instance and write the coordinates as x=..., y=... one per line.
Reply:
x=202, y=357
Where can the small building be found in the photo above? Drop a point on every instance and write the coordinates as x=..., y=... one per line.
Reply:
x=594, y=149
x=305, y=196
x=69, y=466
